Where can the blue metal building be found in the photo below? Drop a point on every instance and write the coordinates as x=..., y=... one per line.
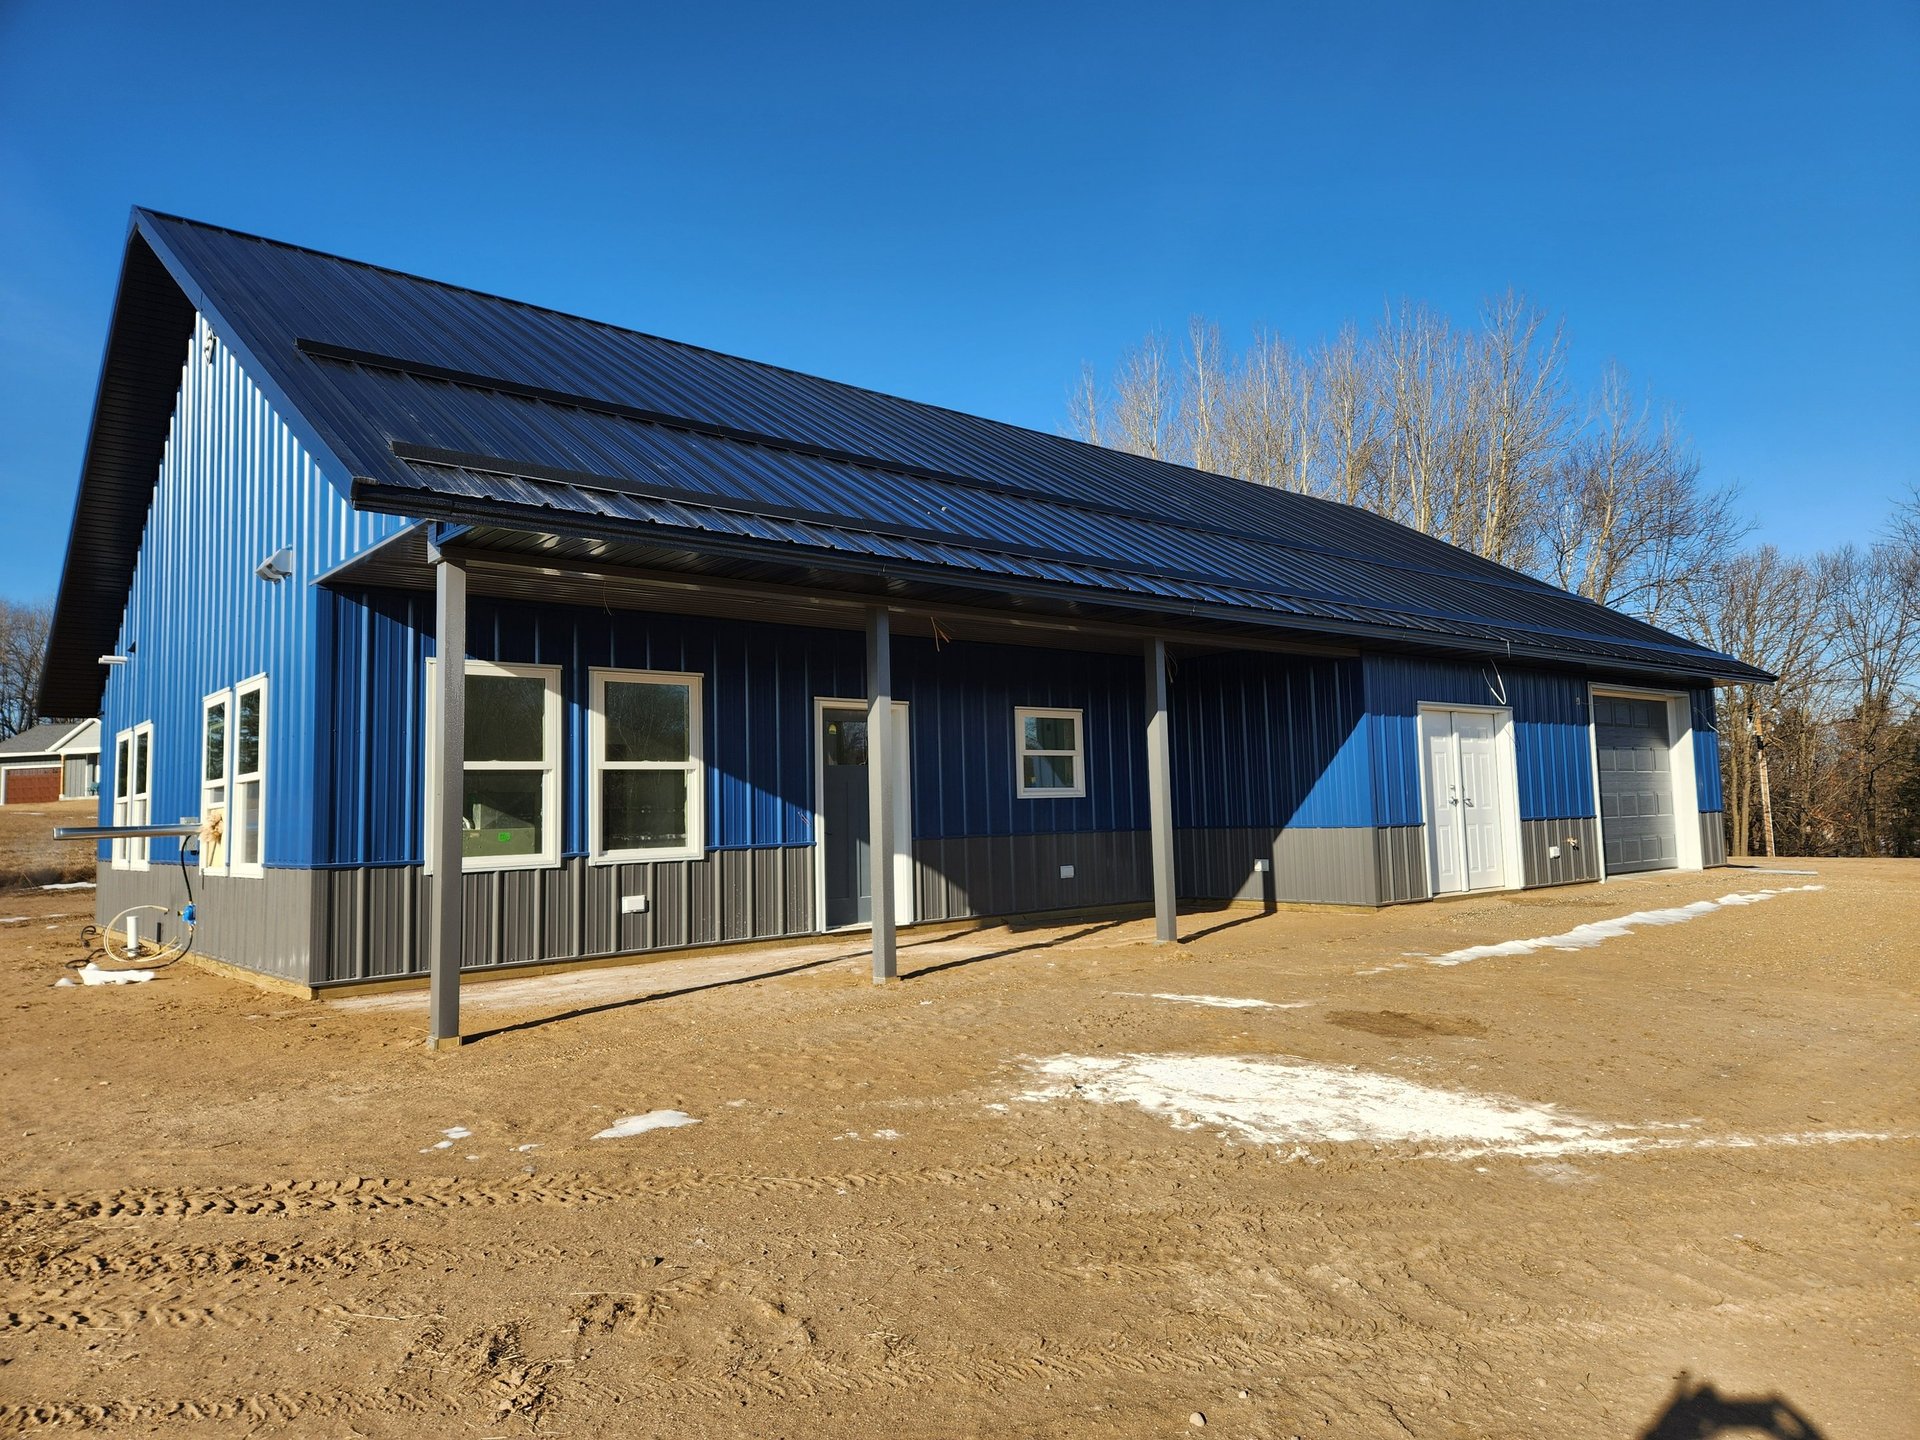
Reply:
x=670, y=570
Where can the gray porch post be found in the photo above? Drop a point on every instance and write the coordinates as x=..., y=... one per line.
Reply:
x=880, y=782
x=447, y=783
x=1166, y=925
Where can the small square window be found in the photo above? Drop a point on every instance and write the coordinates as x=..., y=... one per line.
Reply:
x=1049, y=747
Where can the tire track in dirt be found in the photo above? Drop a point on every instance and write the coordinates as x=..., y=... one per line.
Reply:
x=256, y=1409
x=92, y=1319
x=52, y=1274
x=360, y=1193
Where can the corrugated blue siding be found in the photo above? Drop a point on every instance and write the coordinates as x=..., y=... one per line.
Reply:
x=761, y=682
x=961, y=701
x=1552, y=746
x=234, y=486
x=1706, y=752
x=1269, y=741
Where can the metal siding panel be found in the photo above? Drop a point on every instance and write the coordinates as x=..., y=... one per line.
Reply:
x=1549, y=720
x=1706, y=751
x=1269, y=741
x=265, y=923
x=1579, y=858
x=1713, y=839
x=232, y=486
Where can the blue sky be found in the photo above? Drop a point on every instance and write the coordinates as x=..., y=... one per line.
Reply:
x=961, y=204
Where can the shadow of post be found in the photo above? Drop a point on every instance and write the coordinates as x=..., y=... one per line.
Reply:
x=1698, y=1411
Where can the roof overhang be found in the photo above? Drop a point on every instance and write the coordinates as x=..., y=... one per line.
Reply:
x=698, y=573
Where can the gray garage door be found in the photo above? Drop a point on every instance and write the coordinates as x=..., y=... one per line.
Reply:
x=1636, y=784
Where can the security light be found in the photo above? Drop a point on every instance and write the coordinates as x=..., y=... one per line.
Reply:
x=113, y=659
x=277, y=566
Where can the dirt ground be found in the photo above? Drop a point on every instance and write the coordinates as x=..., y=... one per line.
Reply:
x=1512, y=1196
x=29, y=858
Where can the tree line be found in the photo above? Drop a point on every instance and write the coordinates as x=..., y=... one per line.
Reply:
x=1475, y=433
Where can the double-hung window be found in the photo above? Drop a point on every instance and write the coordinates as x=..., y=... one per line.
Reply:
x=247, y=810
x=1049, y=749
x=214, y=779
x=132, y=793
x=510, y=789
x=646, y=788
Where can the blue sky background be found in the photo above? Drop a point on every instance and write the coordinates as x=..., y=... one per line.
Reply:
x=961, y=204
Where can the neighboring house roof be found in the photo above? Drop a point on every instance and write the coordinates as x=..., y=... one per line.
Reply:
x=430, y=400
x=50, y=739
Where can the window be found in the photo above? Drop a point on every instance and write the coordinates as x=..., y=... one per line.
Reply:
x=213, y=782
x=1047, y=746
x=246, y=814
x=132, y=793
x=510, y=795
x=643, y=742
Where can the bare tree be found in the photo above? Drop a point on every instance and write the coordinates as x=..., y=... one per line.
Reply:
x=1347, y=429
x=1875, y=640
x=1520, y=414
x=1145, y=403
x=1768, y=610
x=23, y=649
x=1632, y=519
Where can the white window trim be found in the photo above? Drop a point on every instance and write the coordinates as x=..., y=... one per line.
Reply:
x=133, y=853
x=550, y=793
x=236, y=776
x=694, y=766
x=225, y=782
x=1023, y=713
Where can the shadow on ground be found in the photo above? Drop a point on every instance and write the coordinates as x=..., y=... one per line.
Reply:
x=1698, y=1411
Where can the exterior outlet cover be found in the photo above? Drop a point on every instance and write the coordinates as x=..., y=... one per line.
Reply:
x=1261, y=867
x=1553, y=852
x=1066, y=872
x=633, y=904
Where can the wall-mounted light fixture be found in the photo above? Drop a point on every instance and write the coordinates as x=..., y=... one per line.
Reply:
x=113, y=659
x=277, y=566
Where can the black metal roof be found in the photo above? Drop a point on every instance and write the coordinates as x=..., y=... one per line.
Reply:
x=437, y=401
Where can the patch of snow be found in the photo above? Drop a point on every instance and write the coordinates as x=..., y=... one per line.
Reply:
x=14, y=919
x=1222, y=1002
x=885, y=1135
x=92, y=974
x=1585, y=937
x=523, y=1149
x=1284, y=1102
x=70, y=885
x=458, y=1132
x=63, y=983
x=639, y=1124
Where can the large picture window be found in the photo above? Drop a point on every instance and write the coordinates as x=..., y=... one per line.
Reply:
x=510, y=792
x=645, y=790
x=247, y=808
x=214, y=777
x=1049, y=750
x=132, y=793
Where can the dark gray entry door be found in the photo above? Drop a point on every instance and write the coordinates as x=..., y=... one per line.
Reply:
x=1636, y=784
x=844, y=817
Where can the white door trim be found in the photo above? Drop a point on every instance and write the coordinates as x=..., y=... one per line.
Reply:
x=903, y=907
x=1682, y=770
x=1513, y=865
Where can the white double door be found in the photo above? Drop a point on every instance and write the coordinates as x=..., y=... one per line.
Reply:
x=1466, y=809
